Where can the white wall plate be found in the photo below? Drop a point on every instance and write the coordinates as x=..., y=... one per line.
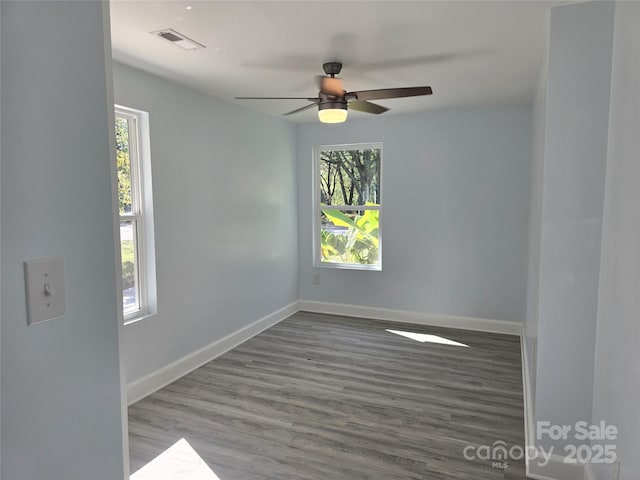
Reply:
x=46, y=298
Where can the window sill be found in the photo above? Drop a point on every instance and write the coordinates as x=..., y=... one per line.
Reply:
x=139, y=317
x=349, y=266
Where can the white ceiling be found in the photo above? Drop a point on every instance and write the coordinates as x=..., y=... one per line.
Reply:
x=472, y=53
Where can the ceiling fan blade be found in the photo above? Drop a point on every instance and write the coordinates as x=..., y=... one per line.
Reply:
x=391, y=93
x=368, y=107
x=301, y=109
x=331, y=86
x=278, y=98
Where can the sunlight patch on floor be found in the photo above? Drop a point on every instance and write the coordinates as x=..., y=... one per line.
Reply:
x=178, y=462
x=424, y=337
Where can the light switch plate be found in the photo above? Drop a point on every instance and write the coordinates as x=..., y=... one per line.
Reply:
x=46, y=298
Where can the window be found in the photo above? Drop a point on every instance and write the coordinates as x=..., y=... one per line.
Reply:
x=132, y=146
x=348, y=206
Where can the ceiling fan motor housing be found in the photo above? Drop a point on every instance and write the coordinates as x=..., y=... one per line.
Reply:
x=333, y=104
x=332, y=68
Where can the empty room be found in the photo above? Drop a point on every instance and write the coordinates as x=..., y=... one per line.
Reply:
x=247, y=240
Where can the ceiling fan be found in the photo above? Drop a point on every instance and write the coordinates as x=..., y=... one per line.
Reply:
x=334, y=102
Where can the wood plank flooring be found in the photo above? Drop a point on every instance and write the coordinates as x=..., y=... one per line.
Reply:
x=326, y=397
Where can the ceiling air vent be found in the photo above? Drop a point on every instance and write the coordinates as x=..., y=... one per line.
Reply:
x=178, y=39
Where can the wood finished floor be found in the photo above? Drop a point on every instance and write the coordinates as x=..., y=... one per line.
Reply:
x=336, y=398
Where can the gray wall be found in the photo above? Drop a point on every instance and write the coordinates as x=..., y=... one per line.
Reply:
x=617, y=380
x=61, y=415
x=0, y=249
x=535, y=224
x=455, y=193
x=575, y=149
x=225, y=218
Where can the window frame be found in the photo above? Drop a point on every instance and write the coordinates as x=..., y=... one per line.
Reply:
x=317, y=207
x=137, y=215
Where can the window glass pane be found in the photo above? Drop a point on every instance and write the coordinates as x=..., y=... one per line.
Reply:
x=124, y=165
x=349, y=236
x=130, y=295
x=350, y=177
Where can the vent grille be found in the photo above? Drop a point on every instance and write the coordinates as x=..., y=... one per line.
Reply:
x=172, y=37
x=178, y=39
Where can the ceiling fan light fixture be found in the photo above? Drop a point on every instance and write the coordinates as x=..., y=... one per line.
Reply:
x=332, y=112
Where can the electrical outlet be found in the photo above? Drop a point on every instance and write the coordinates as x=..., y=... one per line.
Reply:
x=316, y=279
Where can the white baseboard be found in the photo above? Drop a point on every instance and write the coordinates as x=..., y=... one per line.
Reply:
x=556, y=469
x=148, y=384
x=405, y=316
x=602, y=471
x=154, y=381
x=529, y=427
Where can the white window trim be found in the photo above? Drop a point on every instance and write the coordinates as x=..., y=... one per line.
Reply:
x=317, y=208
x=141, y=214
